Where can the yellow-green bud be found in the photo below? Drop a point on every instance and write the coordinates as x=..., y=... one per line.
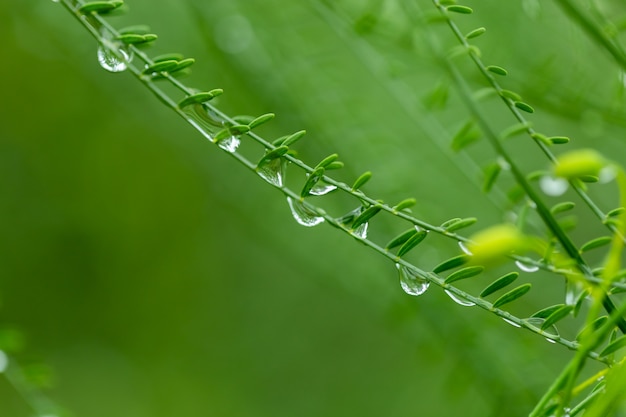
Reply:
x=579, y=163
x=490, y=244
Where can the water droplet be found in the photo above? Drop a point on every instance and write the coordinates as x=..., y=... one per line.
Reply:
x=229, y=144
x=410, y=282
x=361, y=231
x=4, y=361
x=526, y=268
x=302, y=214
x=552, y=186
x=551, y=332
x=110, y=61
x=322, y=188
x=460, y=300
x=464, y=249
x=512, y=323
x=203, y=119
x=273, y=171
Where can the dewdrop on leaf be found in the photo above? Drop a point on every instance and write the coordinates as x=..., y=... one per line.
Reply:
x=491, y=244
x=579, y=163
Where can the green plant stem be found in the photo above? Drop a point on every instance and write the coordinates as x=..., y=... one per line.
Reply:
x=482, y=68
x=431, y=277
x=594, y=31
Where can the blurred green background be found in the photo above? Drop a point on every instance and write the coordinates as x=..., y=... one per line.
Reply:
x=157, y=277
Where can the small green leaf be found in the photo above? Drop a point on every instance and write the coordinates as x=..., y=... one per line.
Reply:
x=539, y=137
x=313, y=178
x=500, y=283
x=136, y=39
x=536, y=175
x=457, y=8
x=524, y=107
x=273, y=154
x=168, y=57
x=490, y=173
x=243, y=119
x=599, y=322
x=99, y=7
x=235, y=130
x=467, y=135
x=199, y=98
x=334, y=165
x=561, y=207
x=438, y=97
x=401, y=238
x=261, y=120
x=161, y=66
x=404, y=204
x=185, y=63
x=595, y=243
x=326, y=161
x=475, y=33
x=363, y=178
x=559, y=140
x=366, y=215
x=510, y=95
x=451, y=263
x=464, y=273
x=615, y=212
x=556, y=316
x=614, y=346
x=548, y=311
x=460, y=224
x=412, y=242
x=140, y=29
x=515, y=130
x=291, y=139
x=447, y=223
x=497, y=70
x=589, y=178
x=512, y=295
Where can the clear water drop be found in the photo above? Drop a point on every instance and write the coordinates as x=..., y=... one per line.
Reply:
x=512, y=323
x=526, y=268
x=464, y=249
x=4, y=361
x=110, y=61
x=273, y=171
x=321, y=188
x=361, y=231
x=460, y=300
x=410, y=282
x=550, y=333
x=229, y=144
x=552, y=186
x=302, y=214
x=203, y=119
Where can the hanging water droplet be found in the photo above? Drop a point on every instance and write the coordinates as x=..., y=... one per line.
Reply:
x=322, y=188
x=552, y=186
x=229, y=144
x=526, y=268
x=302, y=214
x=512, y=323
x=273, y=171
x=460, y=300
x=410, y=282
x=361, y=231
x=4, y=361
x=203, y=119
x=464, y=249
x=111, y=61
x=550, y=333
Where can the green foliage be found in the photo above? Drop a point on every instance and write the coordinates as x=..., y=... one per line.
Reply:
x=531, y=239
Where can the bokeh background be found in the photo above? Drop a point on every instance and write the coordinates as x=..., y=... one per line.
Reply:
x=156, y=277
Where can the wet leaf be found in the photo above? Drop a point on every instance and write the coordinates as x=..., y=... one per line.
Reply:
x=500, y=283
x=512, y=295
